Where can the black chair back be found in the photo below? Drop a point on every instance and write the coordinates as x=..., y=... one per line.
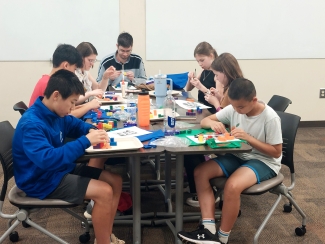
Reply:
x=7, y=133
x=279, y=103
x=21, y=107
x=289, y=126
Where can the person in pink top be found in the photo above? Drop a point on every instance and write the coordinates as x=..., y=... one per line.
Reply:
x=66, y=57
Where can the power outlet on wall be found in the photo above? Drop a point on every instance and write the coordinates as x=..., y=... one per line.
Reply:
x=322, y=93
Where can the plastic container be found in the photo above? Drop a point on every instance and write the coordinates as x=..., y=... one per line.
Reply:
x=132, y=109
x=169, y=115
x=143, y=108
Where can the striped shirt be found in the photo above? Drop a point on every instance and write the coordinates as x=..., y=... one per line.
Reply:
x=134, y=64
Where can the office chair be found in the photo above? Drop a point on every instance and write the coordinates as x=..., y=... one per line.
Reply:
x=21, y=107
x=279, y=103
x=289, y=125
x=26, y=205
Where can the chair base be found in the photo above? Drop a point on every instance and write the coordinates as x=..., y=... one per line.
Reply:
x=22, y=216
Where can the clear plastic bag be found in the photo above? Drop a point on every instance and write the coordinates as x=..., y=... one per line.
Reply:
x=121, y=115
x=182, y=124
x=172, y=141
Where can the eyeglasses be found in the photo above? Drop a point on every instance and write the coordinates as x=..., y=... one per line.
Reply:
x=92, y=61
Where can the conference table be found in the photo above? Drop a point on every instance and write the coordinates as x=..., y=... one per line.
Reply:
x=135, y=172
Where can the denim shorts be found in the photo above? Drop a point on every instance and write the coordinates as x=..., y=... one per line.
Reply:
x=73, y=186
x=229, y=163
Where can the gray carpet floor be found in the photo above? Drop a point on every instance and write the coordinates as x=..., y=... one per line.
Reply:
x=309, y=193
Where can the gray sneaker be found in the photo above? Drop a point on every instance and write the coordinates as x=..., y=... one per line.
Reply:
x=193, y=201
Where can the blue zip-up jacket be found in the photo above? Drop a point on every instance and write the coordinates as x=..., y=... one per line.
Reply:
x=40, y=157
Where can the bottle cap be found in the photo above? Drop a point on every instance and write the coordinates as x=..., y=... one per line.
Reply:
x=161, y=76
x=143, y=92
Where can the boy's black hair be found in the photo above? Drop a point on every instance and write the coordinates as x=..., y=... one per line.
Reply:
x=68, y=53
x=66, y=83
x=125, y=40
x=241, y=88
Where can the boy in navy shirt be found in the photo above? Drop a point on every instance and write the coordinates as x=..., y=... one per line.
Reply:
x=44, y=167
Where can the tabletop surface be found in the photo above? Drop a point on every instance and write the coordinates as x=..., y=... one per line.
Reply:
x=156, y=125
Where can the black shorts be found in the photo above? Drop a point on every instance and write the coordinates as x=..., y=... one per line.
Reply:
x=73, y=186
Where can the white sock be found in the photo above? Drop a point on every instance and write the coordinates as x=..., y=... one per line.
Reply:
x=223, y=236
x=210, y=224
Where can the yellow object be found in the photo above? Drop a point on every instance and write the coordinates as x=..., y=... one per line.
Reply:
x=201, y=138
x=151, y=116
x=111, y=123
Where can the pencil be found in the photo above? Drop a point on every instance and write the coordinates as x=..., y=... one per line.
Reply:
x=194, y=73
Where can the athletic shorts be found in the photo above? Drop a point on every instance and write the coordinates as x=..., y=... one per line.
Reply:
x=229, y=163
x=73, y=186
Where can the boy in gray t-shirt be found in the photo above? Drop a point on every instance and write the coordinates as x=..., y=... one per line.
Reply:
x=253, y=121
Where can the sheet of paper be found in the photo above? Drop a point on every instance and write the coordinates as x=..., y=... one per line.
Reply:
x=196, y=139
x=154, y=114
x=190, y=105
x=114, y=106
x=119, y=88
x=128, y=132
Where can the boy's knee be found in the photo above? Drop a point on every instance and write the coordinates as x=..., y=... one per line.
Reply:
x=199, y=171
x=106, y=192
x=232, y=187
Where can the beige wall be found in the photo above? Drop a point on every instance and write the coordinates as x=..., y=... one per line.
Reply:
x=297, y=79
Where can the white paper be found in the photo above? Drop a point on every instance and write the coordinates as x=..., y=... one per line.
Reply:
x=161, y=112
x=190, y=105
x=196, y=139
x=115, y=106
x=174, y=93
x=128, y=88
x=128, y=132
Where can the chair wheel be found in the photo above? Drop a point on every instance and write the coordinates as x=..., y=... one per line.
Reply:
x=14, y=237
x=25, y=224
x=300, y=231
x=84, y=238
x=287, y=208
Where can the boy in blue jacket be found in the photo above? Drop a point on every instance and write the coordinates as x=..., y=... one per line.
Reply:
x=44, y=167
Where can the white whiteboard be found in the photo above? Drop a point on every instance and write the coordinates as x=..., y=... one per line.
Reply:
x=249, y=29
x=32, y=29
